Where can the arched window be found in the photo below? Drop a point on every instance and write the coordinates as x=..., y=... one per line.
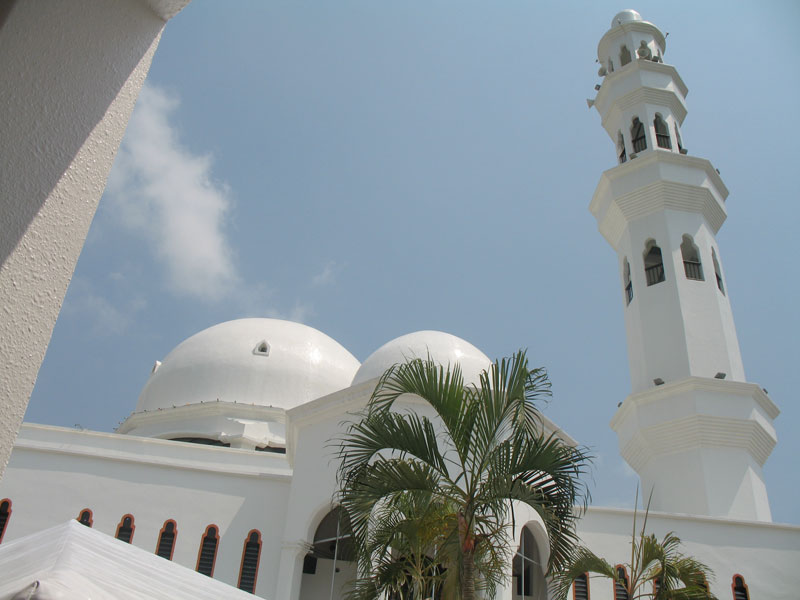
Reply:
x=166, y=539
x=5, y=515
x=717, y=271
x=251, y=554
x=626, y=280
x=662, y=133
x=526, y=569
x=691, y=259
x=621, y=584
x=85, y=517
x=638, y=137
x=580, y=587
x=653, y=265
x=678, y=139
x=624, y=55
x=207, y=555
x=739, y=587
x=621, y=154
x=125, y=529
x=610, y=66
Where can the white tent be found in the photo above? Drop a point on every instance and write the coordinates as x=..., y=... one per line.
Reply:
x=73, y=562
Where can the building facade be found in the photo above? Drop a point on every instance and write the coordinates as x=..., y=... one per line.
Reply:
x=225, y=465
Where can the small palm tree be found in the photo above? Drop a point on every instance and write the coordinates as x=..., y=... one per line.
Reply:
x=483, y=449
x=658, y=570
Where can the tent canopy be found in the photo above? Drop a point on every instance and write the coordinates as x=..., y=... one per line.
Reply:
x=73, y=562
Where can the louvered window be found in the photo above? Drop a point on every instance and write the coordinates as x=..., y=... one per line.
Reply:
x=125, y=529
x=739, y=588
x=85, y=517
x=580, y=587
x=208, y=551
x=653, y=264
x=250, y=557
x=662, y=133
x=638, y=136
x=166, y=540
x=621, y=584
x=5, y=514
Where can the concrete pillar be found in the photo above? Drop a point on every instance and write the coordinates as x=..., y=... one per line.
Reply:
x=69, y=77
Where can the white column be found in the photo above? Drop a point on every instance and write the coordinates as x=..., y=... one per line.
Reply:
x=69, y=76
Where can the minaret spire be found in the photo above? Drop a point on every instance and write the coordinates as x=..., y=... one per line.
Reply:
x=693, y=428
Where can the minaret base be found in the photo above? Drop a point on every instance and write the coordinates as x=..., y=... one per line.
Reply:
x=699, y=444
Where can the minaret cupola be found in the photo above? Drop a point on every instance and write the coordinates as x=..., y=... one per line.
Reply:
x=693, y=428
x=641, y=100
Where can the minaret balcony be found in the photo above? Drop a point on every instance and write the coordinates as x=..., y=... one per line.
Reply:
x=639, y=85
x=657, y=181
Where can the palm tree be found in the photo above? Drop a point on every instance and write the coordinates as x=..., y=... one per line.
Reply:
x=657, y=570
x=483, y=450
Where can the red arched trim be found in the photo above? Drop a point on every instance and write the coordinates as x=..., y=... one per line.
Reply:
x=5, y=516
x=174, y=537
x=216, y=536
x=121, y=531
x=744, y=585
x=588, y=592
x=250, y=533
x=618, y=596
x=88, y=520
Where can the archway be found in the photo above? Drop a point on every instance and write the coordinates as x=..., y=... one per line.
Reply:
x=328, y=567
x=527, y=570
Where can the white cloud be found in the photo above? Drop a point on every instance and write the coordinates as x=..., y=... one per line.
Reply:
x=327, y=276
x=163, y=191
x=106, y=318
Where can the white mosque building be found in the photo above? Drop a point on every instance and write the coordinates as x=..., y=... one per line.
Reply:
x=225, y=464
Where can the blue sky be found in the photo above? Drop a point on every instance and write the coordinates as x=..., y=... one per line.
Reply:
x=373, y=169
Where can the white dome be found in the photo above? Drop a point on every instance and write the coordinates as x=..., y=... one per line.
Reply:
x=267, y=362
x=625, y=16
x=442, y=347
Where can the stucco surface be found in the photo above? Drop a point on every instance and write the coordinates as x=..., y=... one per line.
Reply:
x=71, y=73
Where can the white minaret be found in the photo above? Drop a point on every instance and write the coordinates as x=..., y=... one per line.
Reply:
x=693, y=428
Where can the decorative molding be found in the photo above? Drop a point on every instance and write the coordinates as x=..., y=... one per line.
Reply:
x=641, y=96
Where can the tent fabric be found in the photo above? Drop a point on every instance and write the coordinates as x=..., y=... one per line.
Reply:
x=73, y=562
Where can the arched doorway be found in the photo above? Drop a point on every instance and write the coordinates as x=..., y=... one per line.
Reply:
x=328, y=567
x=527, y=571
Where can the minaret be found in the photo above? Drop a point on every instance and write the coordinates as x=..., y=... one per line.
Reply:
x=693, y=429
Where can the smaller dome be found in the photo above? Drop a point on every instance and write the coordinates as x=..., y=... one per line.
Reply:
x=443, y=348
x=625, y=16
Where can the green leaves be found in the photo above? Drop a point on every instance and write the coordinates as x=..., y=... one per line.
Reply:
x=438, y=490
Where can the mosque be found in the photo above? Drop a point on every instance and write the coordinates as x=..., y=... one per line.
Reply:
x=224, y=467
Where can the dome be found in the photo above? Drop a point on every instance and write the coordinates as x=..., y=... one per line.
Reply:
x=266, y=362
x=442, y=347
x=625, y=16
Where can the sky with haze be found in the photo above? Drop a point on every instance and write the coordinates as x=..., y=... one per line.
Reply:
x=377, y=168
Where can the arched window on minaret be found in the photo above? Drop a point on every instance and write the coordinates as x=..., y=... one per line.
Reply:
x=626, y=280
x=638, y=137
x=717, y=271
x=739, y=587
x=691, y=259
x=662, y=132
x=678, y=139
x=653, y=263
x=624, y=55
x=610, y=66
x=621, y=154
